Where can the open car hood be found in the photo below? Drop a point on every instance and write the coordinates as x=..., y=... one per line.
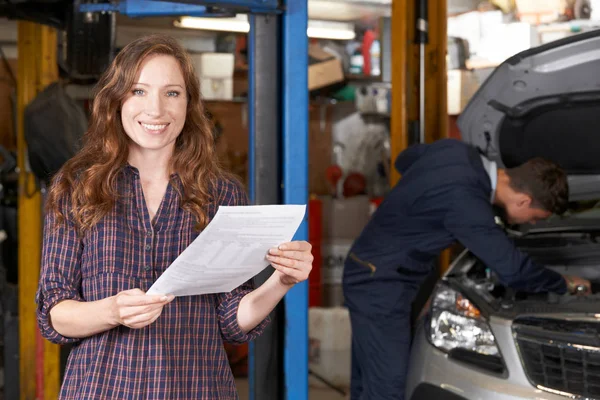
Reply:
x=544, y=102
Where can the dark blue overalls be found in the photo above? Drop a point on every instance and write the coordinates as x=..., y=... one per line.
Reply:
x=444, y=196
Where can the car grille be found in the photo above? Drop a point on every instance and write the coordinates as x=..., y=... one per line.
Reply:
x=561, y=355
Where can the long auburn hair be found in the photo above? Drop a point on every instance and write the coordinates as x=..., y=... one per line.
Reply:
x=88, y=181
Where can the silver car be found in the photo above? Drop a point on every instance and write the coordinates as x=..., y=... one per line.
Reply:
x=478, y=339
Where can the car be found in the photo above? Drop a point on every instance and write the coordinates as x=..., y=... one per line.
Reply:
x=476, y=338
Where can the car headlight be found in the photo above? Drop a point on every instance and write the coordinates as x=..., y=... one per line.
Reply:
x=455, y=323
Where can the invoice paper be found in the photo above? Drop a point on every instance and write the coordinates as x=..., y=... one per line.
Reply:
x=230, y=250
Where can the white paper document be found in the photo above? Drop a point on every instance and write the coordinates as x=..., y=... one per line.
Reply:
x=230, y=250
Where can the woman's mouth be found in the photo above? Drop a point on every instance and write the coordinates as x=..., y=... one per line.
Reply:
x=154, y=128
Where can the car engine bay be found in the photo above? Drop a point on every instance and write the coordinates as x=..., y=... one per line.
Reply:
x=575, y=254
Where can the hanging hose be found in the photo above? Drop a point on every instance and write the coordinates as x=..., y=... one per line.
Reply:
x=422, y=38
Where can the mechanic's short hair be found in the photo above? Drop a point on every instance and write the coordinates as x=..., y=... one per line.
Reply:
x=543, y=180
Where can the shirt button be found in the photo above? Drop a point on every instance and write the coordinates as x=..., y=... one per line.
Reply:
x=147, y=247
x=147, y=267
x=148, y=233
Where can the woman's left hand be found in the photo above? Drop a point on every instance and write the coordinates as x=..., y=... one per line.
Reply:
x=292, y=261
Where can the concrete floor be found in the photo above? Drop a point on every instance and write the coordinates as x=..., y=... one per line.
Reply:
x=316, y=392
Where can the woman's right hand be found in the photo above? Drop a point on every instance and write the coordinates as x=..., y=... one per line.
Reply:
x=135, y=309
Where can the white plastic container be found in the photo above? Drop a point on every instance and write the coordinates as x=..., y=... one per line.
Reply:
x=215, y=72
x=330, y=343
x=216, y=88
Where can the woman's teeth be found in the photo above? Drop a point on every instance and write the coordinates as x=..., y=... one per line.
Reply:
x=154, y=127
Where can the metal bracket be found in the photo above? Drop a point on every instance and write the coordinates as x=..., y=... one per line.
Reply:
x=251, y=6
x=147, y=8
x=158, y=8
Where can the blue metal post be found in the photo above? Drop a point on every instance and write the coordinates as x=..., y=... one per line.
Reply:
x=251, y=181
x=295, y=184
x=266, y=372
x=251, y=118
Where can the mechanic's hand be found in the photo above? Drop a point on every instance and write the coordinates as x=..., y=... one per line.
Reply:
x=577, y=285
x=134, y=309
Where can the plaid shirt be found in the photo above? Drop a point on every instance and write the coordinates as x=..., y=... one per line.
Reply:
x=179, y=356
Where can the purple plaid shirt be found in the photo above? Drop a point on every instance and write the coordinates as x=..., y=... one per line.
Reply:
x=180, y=355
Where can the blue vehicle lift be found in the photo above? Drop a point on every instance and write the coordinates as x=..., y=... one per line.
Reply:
x=278, y=159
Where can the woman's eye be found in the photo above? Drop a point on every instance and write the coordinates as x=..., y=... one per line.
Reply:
x=173, y=93
x=137, y=92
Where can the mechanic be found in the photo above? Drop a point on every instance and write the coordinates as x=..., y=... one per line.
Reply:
x=448, y=192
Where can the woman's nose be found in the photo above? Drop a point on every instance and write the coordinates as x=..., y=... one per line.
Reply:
x=154, y=106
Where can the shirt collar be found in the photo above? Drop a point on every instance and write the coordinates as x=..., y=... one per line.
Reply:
x=136, y=172
x=492, y=170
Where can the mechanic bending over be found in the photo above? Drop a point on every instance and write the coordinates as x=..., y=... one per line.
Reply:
x=447, y=192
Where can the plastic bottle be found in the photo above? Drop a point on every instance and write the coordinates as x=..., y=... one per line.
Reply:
x=375, y=58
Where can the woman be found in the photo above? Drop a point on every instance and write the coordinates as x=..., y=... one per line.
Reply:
x=142, y=187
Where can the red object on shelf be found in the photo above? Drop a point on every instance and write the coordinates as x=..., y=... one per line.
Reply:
x=333, y=174
x=315, y=237
x=355, y=184
x=374, y=204
x=368, y=40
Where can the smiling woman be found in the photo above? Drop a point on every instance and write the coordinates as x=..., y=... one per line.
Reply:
x=143, y=186
x=133, y=91
x=153, y=113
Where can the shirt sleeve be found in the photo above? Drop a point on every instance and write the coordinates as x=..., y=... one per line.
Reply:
x=60, y=276
x=228, y=303
x=470, y=220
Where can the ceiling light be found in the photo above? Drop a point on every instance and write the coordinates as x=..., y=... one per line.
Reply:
x=239, y=23
x=316, y=29
x=330, y=30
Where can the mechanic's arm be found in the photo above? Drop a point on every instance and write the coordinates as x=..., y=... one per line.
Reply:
x=471, y=221
x=408, y=157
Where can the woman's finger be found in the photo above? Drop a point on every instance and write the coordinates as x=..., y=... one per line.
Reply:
x=293, y=254
x=291, y=272
x=141, y=320
x=288, y=262
x=299, y=245
x=129, y=312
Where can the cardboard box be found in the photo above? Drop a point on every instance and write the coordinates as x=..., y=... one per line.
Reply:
x=462, y=85
x=330, y=342
x=324, y=69
x=540, y=11
x=334, y=253
x=345, y=218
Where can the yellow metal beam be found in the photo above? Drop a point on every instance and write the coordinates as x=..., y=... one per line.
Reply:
x=436, y=77
x=405, y=80
x=436, y=86
x=399, y=138
x=37, y=68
